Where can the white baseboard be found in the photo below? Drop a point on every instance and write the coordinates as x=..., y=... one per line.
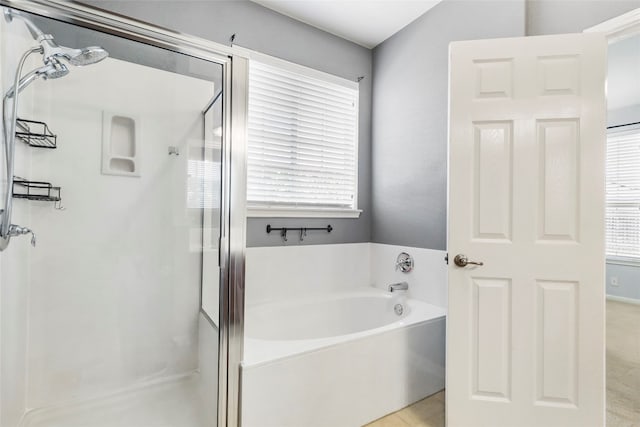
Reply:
x=623, y=299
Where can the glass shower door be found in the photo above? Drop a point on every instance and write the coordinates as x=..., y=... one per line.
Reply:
x=112, y=319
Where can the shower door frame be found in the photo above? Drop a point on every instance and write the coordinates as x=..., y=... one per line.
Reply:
x=232, y=231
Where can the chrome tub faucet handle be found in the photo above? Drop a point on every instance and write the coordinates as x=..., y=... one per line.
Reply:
x=17, y=230
x=404, y=262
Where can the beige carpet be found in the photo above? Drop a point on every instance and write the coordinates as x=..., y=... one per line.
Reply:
x=623, y=365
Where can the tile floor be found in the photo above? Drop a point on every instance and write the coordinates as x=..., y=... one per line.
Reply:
x=623, y=378
x=427, y=412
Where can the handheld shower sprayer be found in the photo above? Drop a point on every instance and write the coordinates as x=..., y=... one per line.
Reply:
x=53, y=68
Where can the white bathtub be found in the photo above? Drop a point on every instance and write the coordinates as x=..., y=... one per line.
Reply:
x=342, y=359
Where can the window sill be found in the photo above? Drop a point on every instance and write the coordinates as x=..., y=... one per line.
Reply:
x=265, y=212
x=633, y=262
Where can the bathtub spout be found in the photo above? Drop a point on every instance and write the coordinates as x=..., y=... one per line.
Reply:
x=402, y=286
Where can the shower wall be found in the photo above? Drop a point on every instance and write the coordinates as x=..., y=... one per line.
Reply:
x=14, y=272
x=109, y=299
x=115, y=280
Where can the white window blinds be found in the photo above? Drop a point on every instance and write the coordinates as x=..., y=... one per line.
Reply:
x=203, y=184
x=623, y=194
x=302, y=148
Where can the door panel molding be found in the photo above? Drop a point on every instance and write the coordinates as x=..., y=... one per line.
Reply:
x=526, y=198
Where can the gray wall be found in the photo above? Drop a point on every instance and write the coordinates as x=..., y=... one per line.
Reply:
x=409, y=192
x=628, y=277
x=265, y=31
x=409, y=119
x=572, y=16
x=623, y=116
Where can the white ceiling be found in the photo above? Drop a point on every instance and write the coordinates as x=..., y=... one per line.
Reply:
x=623, y=74
x=366, y=22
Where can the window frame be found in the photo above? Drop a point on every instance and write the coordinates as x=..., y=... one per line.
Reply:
x=279, y=211
x=619, y=259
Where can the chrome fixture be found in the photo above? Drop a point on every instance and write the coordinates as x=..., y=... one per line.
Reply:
x=398, y=309
x=51, y=50
x=404, y=262
x=462, y=261
x=52, y=69
x=16, y=230
x=402, y=286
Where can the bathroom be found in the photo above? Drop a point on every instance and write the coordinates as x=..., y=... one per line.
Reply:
x=119, y=314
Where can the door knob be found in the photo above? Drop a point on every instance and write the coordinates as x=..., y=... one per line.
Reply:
x=462, y=261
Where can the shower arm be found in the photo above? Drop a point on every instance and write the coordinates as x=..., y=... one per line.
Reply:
x=36, y=32
x=7, y=230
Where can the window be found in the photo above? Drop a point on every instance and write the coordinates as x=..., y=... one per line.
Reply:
x=302, y=143
x=623, y=195
x=203, y=184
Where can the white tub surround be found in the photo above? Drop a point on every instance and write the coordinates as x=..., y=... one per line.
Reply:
x=428, y=279
x=323, y=344
x=276, y=273
x=341, y=359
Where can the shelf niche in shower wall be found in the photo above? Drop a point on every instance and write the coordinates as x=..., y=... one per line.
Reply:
x=120, y=144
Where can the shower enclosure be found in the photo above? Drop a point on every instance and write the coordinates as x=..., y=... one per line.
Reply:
x=123, y=313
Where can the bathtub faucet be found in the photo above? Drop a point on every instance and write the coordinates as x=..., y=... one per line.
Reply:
x=402, y=286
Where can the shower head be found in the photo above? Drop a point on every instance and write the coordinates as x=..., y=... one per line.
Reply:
x=79, y=57
x=51, y=50
x=89, y=55
x=53, y=69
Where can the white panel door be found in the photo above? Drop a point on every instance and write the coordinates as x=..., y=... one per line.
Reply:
x=525, y=333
